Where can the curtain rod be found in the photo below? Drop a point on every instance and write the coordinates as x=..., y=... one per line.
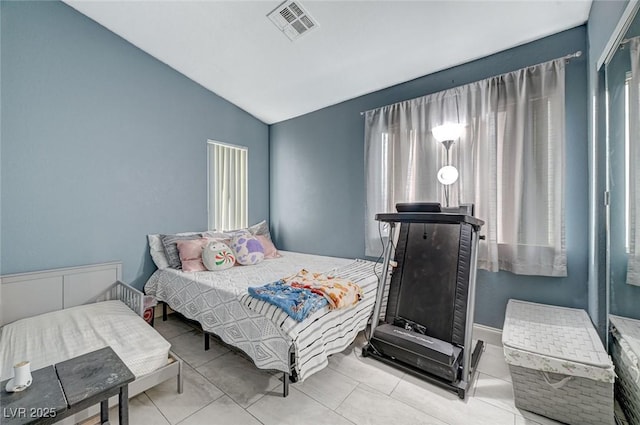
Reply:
x=567, y=58
x=626, y=40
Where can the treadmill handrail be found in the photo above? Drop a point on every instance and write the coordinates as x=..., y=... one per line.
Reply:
x=418, y=217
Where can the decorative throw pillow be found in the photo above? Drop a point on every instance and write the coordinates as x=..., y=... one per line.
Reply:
x=190, y=251
x=218, y=256
x=270, y=250
x=171, y=249
x=248, y=249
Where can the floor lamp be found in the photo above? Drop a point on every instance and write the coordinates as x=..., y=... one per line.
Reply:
x=447, y=134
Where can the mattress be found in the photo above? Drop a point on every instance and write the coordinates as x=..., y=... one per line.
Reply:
x=220, y=303
x=554, y=339
x=53, y=337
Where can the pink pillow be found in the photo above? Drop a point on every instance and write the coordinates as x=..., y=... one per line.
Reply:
x=270, y=250
x=191, y=254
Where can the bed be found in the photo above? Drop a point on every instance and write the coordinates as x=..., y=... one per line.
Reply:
x=115, y=321
x=79, y=330
x=219, y=301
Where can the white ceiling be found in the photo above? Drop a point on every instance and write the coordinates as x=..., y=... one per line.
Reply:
x=233, y=49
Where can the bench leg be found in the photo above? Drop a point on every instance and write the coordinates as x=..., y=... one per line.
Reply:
x=164, y=312
x=104, y=412
x=123, y=405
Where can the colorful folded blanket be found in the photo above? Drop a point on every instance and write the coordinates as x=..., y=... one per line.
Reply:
x=305, y=292
x=339, y=292
x=299, y=303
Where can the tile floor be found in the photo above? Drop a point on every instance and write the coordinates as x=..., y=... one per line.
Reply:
x=222, y=387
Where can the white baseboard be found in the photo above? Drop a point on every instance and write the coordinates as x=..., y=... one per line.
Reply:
x=487, y=334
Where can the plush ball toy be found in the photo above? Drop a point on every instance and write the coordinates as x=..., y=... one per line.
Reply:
x=218, y=256
x=248, y=249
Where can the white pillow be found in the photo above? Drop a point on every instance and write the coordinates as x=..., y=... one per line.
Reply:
x=157, y=252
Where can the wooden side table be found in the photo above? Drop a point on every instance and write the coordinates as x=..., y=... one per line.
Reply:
x=42, y=403
x=94, y=377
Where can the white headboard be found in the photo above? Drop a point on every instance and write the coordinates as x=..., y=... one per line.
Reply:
x=28, y=294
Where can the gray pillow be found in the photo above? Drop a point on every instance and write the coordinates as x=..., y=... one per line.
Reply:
x=171, y=248
x=261, y=228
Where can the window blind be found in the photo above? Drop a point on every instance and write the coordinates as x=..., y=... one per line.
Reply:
x=227, y=186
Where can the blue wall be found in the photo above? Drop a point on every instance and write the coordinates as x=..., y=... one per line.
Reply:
x=317, y=175
x=103, y=144
x=603, y=18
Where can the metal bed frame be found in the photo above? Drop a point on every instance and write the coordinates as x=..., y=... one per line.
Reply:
x=286, y=377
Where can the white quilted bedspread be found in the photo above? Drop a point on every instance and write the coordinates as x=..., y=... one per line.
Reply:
x=215, y=300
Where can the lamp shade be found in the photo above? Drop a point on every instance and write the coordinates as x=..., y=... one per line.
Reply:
x=448, y=131
x=447, y=175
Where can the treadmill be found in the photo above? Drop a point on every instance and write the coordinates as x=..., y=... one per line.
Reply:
x=428, y=323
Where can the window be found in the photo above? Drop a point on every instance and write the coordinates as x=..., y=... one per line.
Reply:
x=510, y=158
x=536, y=202
x=227, y=186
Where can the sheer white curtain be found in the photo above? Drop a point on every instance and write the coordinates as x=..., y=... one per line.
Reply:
x=633, y=268
x=510, y=158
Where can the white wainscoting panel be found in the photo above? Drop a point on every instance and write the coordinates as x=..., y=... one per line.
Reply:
x=83, y=288
x=29, y=294
x=24, y=298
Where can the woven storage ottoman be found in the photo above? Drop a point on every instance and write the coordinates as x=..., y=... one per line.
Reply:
x=625, y=349
x=558, y=365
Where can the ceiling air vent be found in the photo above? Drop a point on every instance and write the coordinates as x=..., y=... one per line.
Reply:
x=291, y=18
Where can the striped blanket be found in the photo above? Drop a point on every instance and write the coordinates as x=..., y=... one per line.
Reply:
x=326, y=331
